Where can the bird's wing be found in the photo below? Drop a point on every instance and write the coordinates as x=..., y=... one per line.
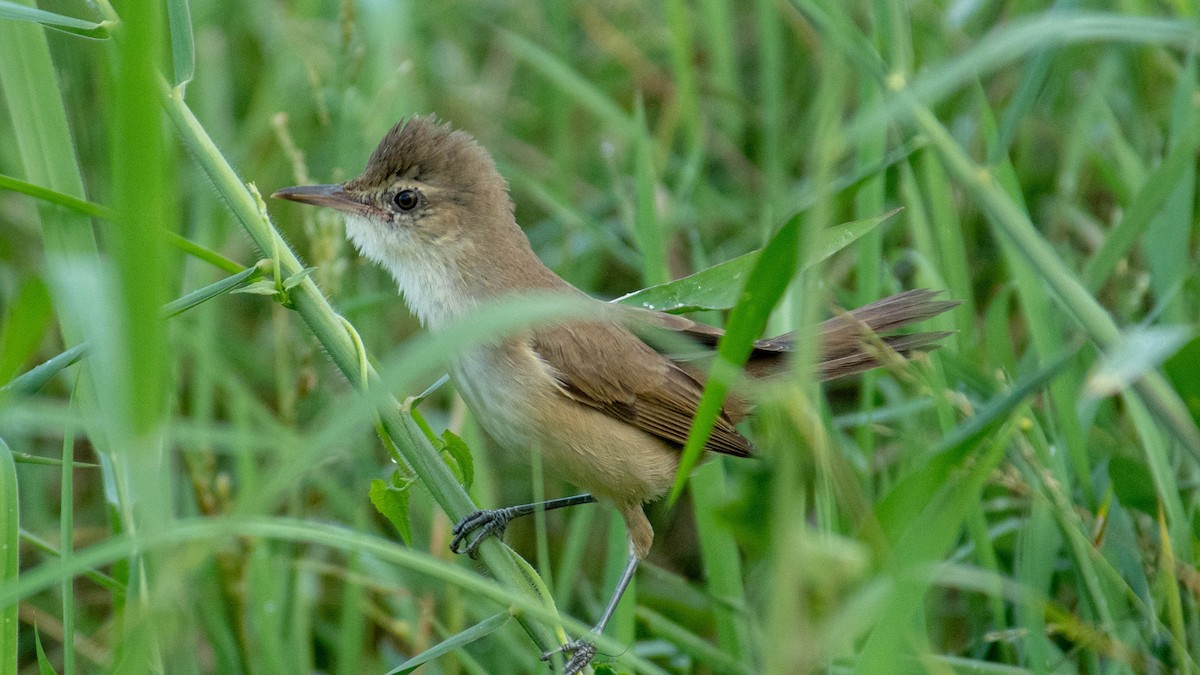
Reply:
x=604, y=366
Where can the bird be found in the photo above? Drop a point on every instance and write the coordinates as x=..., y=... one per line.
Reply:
x=607, y=410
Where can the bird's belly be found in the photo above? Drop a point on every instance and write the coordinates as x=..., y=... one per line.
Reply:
x=520, y=405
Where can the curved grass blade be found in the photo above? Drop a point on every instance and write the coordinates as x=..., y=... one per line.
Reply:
x=34, y=379
x=719, y=286
x=55, y=197
x=577, y=87
x=94, y=210
x=456, y=641
x=66, y=24
x=202, y=295
x=776, y=266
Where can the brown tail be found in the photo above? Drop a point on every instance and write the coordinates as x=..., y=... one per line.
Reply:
x=854, y=341
x=850, y=342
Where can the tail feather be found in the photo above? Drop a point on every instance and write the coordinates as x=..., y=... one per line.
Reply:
x=867, y=356
x=851, y=342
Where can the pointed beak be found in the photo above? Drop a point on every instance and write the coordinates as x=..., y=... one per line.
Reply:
x=333, y=196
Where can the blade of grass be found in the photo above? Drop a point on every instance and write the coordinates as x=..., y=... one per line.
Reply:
x=1011, y=42
x=66, y=540
x=10, y=547
x=98, y=211
x=772, y=273
x=719, y=660
x=720, y=286
x=183, y=44
x=651, y=233
x=31, y=381
x=722, y=562
x=457, y=641
x=24, y=323
x=88, y=29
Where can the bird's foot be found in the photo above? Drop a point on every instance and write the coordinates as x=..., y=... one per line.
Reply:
x=581, y=653
x=476, y=527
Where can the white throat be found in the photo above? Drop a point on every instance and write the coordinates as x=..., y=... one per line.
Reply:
x=432, y=284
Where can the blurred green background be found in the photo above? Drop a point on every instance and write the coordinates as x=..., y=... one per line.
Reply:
x=1024, y=499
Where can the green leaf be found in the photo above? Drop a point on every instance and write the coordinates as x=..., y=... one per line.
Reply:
x=390, y=499
x=456, y=641
x=44, y=666
x=201, y=295
x=24, y=324
x=81, y=206
x=1134, y=485
x=67, y=24
x=464, y=465
x=183, y=44
x=719, y=286
x=265, y=287
x=29, y=382
x=775, y=268
x=295, y=279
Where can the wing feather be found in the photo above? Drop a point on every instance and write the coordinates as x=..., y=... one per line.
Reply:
x=606, y=367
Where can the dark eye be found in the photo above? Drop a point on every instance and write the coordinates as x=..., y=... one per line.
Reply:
x=406, y=200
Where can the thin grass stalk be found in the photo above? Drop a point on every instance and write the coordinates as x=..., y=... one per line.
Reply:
x=10, y=547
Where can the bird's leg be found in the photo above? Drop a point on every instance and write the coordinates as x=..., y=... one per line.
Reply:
x=582, y=650
x=480, y=524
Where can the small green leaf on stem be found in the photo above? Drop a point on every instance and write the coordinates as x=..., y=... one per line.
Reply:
x=390, y=498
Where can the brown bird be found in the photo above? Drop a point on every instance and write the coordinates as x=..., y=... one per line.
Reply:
x=607, y=411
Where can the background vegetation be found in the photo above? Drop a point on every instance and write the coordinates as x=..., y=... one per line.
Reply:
x=192, y=494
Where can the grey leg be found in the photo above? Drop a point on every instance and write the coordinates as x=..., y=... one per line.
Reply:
x=480, y=524
x=582, y=651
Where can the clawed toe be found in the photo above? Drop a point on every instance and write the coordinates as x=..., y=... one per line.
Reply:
x=475, y=527
x=581, y=652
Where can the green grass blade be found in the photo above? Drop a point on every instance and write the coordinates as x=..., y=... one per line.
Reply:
x=764, y=288
x=89, y=29
x=215, y=289
x=54, y=197
x=25, y=321
x=651, y=233
x=10, y=547
x=183, y=43
x=720, y=286
x=66, y=538
x=457, y=641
